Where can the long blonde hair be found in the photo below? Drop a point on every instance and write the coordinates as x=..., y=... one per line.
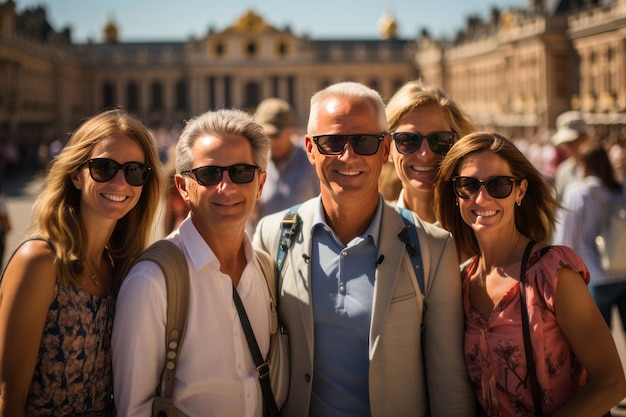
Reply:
x=57, y=216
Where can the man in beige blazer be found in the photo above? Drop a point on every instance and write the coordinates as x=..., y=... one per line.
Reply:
x=349, y=297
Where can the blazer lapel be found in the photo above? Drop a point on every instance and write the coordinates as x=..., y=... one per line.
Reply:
x=392, y=248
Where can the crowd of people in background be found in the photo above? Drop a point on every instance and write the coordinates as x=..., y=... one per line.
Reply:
x=497, y=223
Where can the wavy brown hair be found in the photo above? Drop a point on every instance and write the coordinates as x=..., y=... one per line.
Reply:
x=534, y=218
x=57, y=209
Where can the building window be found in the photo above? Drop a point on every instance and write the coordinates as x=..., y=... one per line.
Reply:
x=132, y=97
x=251, y=50
x=108, y=95
x=220, y=49
x=374, y=84
x=228, y=86
x=212, y=93
x=275, y=86
x=252, y=95
x=181, y=96
x=291, y=90
x=156, y=97
x=282, y=49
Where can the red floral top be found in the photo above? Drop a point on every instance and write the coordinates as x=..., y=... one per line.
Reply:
x=494, y=349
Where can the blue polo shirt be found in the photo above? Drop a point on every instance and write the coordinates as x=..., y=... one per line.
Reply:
x=342, y=291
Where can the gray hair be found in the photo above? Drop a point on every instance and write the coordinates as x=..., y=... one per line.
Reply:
x=220, y=123
x=347, y=90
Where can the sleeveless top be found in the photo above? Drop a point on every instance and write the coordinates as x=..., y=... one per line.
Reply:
x=494, y=348
x=73, y=373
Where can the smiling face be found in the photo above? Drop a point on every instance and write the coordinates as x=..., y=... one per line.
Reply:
x=225, y=207
x=484, y=213
x=348, y=177
x=112, y=199
x=418, y=170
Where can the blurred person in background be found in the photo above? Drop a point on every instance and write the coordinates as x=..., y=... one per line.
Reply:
x=572, y=133
x=290, y=177
x=579, y=223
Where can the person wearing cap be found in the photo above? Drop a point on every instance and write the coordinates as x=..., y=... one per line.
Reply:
x=572, y=132
x=291, y=178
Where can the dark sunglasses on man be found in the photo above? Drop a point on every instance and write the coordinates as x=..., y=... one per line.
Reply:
x=409, y=142
x=362, y=144
x=212, y=174
x=104, y=169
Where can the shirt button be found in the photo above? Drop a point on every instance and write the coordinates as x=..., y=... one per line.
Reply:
x=344, y=253
x=307, y=378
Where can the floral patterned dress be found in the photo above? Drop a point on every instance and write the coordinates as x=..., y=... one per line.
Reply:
x=494, y=348
x=73, y=374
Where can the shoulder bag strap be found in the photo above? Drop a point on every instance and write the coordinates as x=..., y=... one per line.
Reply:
x=174, y=265
x=262, y=366
x=409, y=237
x=528, y=348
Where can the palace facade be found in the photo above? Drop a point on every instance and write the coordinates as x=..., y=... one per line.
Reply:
x=515, y=71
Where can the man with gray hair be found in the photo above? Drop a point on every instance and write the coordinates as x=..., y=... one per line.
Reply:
x=349, y=295
x=221, y=158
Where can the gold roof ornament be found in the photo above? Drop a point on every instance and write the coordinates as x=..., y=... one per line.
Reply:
x=110, y=31
x=387, y=26
x=250, y=22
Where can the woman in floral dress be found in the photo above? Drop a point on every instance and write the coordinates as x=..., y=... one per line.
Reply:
x=496, y=204
x=57, y=295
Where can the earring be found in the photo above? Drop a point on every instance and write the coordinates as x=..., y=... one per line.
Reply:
x=456, y=203
x=519, y=203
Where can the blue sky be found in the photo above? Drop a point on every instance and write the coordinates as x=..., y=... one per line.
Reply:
x=320, y=19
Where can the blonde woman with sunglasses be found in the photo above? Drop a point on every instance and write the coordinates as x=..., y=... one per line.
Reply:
x=500, y=211
x=58, y=292
x=424, y=124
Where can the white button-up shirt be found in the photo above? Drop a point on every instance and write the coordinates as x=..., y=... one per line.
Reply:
x=216, y=375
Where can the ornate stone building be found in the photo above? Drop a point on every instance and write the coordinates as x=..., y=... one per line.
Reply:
x=521, y=68
x=48, y=84
x=515, y=72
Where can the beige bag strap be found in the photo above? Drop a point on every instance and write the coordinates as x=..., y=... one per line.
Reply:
x=172, y=262
x=269, y=271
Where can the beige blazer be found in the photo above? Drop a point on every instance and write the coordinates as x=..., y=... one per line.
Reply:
x=404, y=378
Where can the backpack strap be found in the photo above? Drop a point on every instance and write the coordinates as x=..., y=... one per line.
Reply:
x=172, y=262
x=269, y=272
x=409, y=237
x=289, y=228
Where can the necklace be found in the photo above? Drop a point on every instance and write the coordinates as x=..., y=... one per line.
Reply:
x=92, y=276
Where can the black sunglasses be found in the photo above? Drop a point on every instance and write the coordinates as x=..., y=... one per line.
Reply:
x=497, y=187
x=104, y=169
x=410, y=142
x=212, y=174
x=362, y=144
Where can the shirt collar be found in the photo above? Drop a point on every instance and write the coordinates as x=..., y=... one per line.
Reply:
x=319, y=220
x=200, y=253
